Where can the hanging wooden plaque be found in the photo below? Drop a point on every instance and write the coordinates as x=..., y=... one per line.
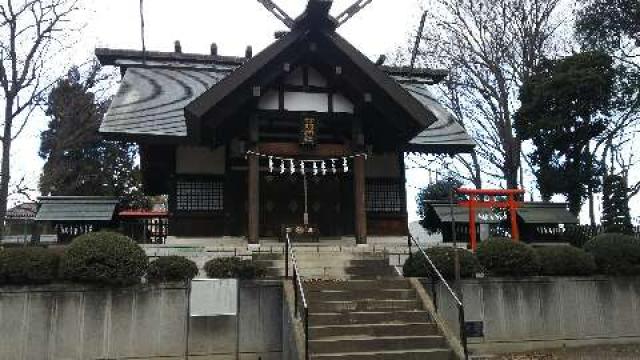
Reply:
x=309, y=131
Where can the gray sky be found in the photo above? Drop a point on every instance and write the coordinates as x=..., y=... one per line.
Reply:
x=380, y=28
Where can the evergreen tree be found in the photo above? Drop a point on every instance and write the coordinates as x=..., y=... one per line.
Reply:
x=615, y=205
x=438, y=191
x=78, y=160
x=565, y=106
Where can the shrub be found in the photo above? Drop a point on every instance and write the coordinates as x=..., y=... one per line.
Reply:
x=104, y=258
x=615, y=254
x=233, y=267
x=575, y=235
x=28, y=265
x=443, y=259
x=565, y=261
x=504, y=257
x=171, y=268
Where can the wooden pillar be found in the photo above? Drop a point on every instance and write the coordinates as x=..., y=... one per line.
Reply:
x=359, y=186
x=472, y=223
x=515, y=232
x=359, y=193
x=253, y=211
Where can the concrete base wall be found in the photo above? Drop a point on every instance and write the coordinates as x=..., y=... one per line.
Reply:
x=77, y=322
x=545, y=312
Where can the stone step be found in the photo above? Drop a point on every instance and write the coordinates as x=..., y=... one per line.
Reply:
x=408, y=354
x=268, y=256
x=368, y=317
x=317, y=332
x=372, y=265
x=363, y=305
x=347, y=295
x=356, y=285
x=372, y=344
x=327, y=274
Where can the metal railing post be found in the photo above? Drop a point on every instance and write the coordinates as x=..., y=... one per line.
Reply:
x=306, y=333
x=295, y=292
x=286, y=256
x=434, y=291
x=437, y=276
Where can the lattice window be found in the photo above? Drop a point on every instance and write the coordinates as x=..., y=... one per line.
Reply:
x=385, y=196
x=200, y=195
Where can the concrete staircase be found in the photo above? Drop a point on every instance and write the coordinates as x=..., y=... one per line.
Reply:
x=370, y=319
x=360, y=308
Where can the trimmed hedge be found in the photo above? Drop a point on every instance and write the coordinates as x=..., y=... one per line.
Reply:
x=615, y=254
x=105, y=258
x=28, y=265
x=443, y=259
x=565, y=261
x=505, y=257
x=171, y=268
x=233, y=267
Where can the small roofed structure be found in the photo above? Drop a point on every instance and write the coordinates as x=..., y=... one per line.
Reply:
x=539, y=222
x=75, y=215
x=20, y=219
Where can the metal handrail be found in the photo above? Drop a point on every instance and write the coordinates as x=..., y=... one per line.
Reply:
x=297, y=289
x=458, y=302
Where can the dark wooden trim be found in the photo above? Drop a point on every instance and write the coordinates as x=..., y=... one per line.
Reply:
x=254, y=186
x=312, y=89
x=403, y=179
x=147, y=138
x=202, y=105
x=294, y=149
x=110, y=56
x=331, y=94
x=305, y=76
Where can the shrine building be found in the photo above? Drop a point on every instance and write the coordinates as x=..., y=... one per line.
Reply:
x=309, y=132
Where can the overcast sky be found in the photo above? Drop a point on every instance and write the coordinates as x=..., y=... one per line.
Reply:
x=380, y=28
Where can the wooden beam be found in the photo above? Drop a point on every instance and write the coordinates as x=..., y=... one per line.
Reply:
x=294, y=149
x=253, y=197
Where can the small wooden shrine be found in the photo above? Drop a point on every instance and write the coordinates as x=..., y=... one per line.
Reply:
x=309, y=132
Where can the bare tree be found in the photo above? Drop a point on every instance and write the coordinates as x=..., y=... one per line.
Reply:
x=491, y=47
x=30, y=31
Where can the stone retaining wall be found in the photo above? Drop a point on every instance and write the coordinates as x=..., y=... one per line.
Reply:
x=547, y=312
x=80, y=322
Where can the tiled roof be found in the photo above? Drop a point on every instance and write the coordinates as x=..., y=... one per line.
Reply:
x=153, y=94
x=76, y=208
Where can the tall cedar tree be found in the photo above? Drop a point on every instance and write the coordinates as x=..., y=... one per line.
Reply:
x=78, y=160
x=565, y=105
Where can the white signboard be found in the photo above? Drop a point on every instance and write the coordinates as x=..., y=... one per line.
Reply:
x=214, y=297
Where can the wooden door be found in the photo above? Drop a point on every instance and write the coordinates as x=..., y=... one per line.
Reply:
x=282, y=203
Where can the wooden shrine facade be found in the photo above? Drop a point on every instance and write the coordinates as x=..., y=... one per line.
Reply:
x=229, y=139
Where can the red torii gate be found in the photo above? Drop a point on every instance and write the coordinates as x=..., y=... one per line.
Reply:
x=474, y=201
